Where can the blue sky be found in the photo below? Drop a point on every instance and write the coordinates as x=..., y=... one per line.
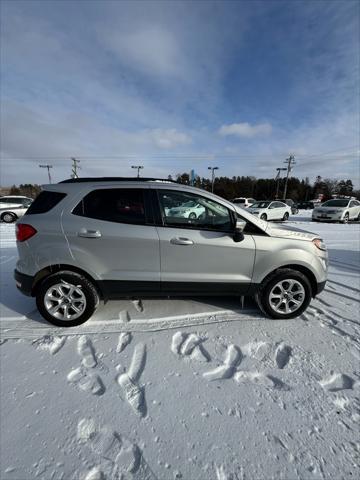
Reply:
x=179, y=85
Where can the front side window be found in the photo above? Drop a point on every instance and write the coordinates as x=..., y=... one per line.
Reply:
x=260, y=205
x=186, y=210
x=119, y=205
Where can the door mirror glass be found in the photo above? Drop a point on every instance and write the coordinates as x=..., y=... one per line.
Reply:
x=239, y=230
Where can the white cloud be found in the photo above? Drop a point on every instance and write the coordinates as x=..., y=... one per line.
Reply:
x=245, y=130
x=169, y=138
x=152, y=50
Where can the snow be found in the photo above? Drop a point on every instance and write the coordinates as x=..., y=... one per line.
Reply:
x=185, y=389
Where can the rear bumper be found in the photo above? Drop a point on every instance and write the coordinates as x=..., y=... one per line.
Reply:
x=24, y=282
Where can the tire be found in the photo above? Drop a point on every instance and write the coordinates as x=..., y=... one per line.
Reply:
x=269, y=287
x=346, y=218
x=286, y=216
x=192, y=215
x=263, y=217
x=85, y=298
x=8, y=217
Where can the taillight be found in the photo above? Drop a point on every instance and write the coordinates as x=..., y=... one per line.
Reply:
x=24, y=232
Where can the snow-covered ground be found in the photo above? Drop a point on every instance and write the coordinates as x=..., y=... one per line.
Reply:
x=192, y=389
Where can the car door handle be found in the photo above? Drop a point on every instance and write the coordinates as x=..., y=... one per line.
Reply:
x=89, y=233
x=181, y=241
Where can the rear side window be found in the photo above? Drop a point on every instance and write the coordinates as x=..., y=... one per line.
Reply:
x=119, y=205
x=44, y=202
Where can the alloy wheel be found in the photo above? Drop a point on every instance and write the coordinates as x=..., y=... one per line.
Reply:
x=287, y=296
x=65, y=301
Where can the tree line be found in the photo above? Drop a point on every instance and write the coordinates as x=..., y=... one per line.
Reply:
x=266, y=188
x=252, y=187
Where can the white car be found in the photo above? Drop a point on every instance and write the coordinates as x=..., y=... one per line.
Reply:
x=13, y=207
x=267, y=210
x=337, y=210
x=188, y=209
x=243, y=202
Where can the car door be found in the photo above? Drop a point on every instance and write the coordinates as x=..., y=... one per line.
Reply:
x=272, y=211
x=354, y=209
x=199, y=255
x=111, y=233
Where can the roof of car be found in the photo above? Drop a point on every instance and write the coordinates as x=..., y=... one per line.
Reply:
x=116, y=179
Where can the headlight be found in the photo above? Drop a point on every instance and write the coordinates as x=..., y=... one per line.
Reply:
x=319, y=243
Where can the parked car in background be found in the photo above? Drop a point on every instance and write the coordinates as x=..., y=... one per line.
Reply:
x=292, y=205
x=337, y=210
x=270, y=210
x=304, y=205
x=243, y=201
x=188, y=209
x=78, y=244
x=13, y=207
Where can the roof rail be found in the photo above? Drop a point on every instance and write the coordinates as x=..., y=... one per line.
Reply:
x=116, y=179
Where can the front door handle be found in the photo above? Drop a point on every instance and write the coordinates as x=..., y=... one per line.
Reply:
x=89, y=233
x=181, y=241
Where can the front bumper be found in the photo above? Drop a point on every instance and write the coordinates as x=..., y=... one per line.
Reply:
x=24, y=283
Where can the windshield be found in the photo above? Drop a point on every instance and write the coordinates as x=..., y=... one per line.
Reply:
x=260, y=205
x=335, y=203
x=239, y=200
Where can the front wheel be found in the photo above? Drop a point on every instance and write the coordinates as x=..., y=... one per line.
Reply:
x=285, y=294
x=8, y=217
x=286, y=216
x=263, y=217
x=66, y=299
x=192, y=215
x=346, y=218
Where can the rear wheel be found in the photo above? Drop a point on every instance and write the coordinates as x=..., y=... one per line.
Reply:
x=263, y=217
x=285, y=294
x=286, y=216
x=8, y=217
x=66, y=299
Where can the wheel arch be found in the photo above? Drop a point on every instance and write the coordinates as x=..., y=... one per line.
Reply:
x=300, y=268
x=50, y=269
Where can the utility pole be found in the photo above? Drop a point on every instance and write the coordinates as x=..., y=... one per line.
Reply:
x=277, y=179
x=213, y=177
x=138, y=167
x=48, y=169
x=74, y=168
x=290, y=162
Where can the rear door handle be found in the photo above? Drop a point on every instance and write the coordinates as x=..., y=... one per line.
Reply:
x=89, y=233
x=181, y=241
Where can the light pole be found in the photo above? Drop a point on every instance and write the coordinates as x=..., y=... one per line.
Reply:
x=213, y=177
x=48, y=169
x=277, y=178
x=138, y=167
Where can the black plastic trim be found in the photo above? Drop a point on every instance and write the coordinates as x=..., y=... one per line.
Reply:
x=116, y=289
x=320, y=287
x=24, y=282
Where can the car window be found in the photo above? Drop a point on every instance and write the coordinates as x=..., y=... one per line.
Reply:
x=119, y=205
x=4, y=200
x=205, y=214
x=280, y=204
x=353, y=204
x=260, y=205
x=336, y=203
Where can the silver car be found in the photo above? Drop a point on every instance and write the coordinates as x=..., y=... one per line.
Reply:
x=12, y=207
x=87, y=240
x=337, y=210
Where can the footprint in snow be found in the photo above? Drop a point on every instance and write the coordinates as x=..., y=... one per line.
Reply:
x=282, y=355
x=124, y=340
x=129, y=381
x=86, y=350
x=119, y=457
x=186, y=345
x=258, y=378
x=50, y=343
x=336, y=382
x=138, y=305
x=232, y=360
x=86, y=381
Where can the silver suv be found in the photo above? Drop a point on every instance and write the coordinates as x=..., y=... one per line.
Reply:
x=87, y=240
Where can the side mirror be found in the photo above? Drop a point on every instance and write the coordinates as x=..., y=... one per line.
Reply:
x=239, y=230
